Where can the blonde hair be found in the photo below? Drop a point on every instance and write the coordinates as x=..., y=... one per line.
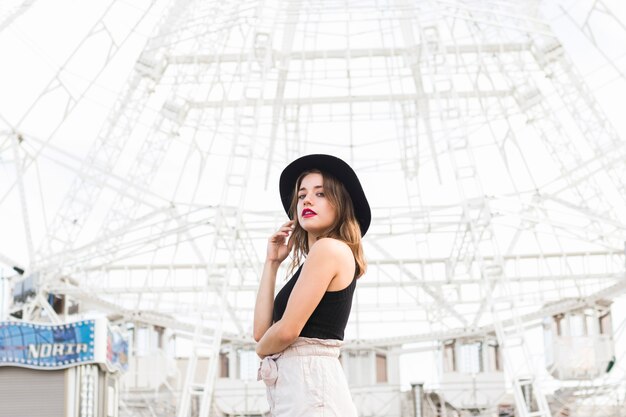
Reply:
x=345, y=227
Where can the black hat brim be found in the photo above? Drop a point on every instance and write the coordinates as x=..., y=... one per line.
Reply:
x=338, y=169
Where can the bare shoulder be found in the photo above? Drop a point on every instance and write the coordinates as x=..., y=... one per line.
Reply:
x=336, y=255
x=332, y=247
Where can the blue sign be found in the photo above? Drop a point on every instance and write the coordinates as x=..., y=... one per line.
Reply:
x=46, y=346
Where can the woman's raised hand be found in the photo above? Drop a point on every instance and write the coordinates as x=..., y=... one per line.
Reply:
x=279, y=245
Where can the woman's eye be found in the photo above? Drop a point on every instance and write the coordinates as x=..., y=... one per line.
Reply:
x=301, y=196
x=320, y=194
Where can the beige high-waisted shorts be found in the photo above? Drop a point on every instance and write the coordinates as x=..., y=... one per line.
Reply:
x=306, y=379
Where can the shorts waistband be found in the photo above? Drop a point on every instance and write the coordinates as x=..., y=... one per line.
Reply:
x=310, y=346
x=302, y=346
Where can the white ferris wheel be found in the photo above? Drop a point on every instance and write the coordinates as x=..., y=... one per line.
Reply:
x=140, y=162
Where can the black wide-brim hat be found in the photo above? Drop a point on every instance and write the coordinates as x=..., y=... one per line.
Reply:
x=338, y=169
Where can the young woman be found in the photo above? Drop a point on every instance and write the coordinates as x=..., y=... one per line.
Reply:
x=300, y=332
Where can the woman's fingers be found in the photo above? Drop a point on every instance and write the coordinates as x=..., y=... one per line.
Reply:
x=279, y=237
x=285, y=229
x=281, y=240
x=287, y=226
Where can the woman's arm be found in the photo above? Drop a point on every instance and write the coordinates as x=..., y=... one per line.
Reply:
x=325, y=260
x=278, y=247
x=264, y=307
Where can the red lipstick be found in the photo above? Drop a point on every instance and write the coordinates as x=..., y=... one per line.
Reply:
x=307, y=212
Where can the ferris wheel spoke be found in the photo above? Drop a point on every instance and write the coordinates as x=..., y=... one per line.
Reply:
x=25, y=213
x=7, y=16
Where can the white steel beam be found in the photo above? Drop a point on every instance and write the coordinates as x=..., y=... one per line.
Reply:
x=19, y=169
x=323, y=54
x=371, y=98
x=8, y=16
x=79, y=202
x=530, y=320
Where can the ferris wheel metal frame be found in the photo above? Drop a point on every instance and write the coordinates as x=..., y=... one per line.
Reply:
x=171, y=98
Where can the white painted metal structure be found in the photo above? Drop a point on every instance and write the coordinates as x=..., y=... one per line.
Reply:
x=496, y=179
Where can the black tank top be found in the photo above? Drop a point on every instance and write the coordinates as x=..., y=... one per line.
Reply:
x=329, y=319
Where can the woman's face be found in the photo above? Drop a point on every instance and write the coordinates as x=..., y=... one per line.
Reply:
x=315, y=213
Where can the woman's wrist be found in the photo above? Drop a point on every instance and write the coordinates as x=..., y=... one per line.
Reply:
x=273, y=263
